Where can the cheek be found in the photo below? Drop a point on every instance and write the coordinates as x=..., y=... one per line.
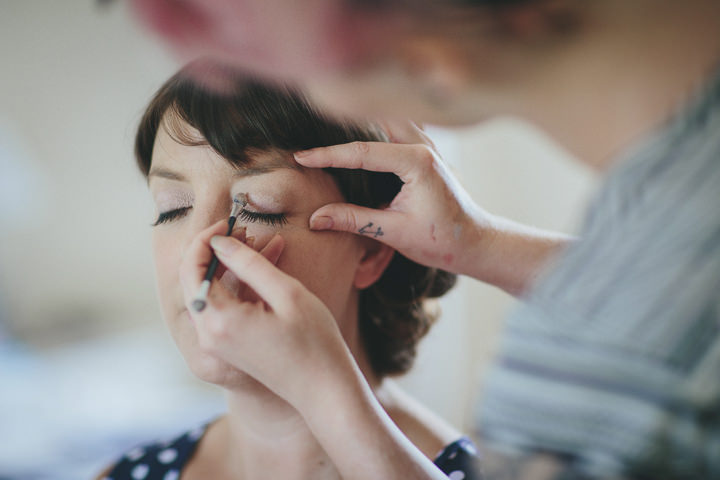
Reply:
x=324, y=262
x=261, y=233
x=167, y=256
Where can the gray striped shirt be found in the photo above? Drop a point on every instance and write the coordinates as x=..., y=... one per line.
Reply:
x=614, y=359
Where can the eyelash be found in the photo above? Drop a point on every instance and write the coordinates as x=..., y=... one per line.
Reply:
x=272, y=219
x=170, y=215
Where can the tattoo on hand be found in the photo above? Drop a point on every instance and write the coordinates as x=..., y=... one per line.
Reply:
x=377, y=233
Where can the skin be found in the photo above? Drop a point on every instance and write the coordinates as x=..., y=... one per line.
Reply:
x=617, y=72
x=333, y=267
x=455, y=67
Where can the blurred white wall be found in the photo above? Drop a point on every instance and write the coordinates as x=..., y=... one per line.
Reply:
x=73, y=242
x=511, y=170
x=74, y=214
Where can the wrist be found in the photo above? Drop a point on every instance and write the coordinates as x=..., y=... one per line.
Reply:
x=476, y=241
x=341, y=386
x=509, y=255
x=359, y=436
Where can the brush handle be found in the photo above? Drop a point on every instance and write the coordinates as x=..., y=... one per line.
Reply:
x=200, y=300
x=214, y=261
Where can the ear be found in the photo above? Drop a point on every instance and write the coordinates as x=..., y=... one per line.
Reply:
x=373, y=263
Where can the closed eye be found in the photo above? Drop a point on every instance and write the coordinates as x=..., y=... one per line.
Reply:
x=272, y=219
x=170, y=215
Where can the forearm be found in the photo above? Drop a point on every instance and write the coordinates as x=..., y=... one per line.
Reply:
x=509, y=255
x=360, y=437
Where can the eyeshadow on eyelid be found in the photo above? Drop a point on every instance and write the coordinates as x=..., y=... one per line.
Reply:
x=262, y=201
x=165, y=200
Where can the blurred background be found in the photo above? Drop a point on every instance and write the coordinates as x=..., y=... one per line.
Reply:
x=86, y=366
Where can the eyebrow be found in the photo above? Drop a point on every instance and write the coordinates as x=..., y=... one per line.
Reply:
x=161, y=172
x=165, y=173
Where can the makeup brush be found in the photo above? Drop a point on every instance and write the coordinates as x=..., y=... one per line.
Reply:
x=200, y=301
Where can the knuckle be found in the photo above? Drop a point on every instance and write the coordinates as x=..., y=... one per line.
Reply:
x=295, y=293
x=349, y=221
x=243, y=259
x=425, y=156
x=216, y=326
x=361, y=147
x=360, y=150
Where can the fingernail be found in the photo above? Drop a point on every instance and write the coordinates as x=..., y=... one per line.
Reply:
x=250, y=242
x=223, y=245
x=321, y=223
x=304, y=153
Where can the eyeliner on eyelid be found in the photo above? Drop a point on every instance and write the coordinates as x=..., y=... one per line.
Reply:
x=272, y=219
x=170, y=215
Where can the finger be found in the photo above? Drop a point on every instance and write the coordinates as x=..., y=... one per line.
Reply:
x=198, y=253
x=198, y=256
x=222, y=304
x=405, y=131
x=383, y=225
x=271, y=284
x=273, y=249
x=399, y=159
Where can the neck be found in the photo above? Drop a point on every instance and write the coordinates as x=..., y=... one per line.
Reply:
x=626, y=70
x=263, y=436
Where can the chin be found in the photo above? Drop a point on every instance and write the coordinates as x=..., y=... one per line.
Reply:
x=210, y=369
x=204, y=366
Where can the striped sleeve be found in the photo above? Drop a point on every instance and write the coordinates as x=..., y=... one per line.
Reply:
x=614, y=359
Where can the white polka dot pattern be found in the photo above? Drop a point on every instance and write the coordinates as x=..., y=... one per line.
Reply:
x=197, y=433
x=167, y=456
x=166, y=460
x=172, y=475
x=135, y=454
x=140, y=471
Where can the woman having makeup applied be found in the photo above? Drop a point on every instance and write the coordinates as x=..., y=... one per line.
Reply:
x=360, y=306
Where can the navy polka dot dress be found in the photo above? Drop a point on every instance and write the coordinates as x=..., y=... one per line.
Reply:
x=165, y=460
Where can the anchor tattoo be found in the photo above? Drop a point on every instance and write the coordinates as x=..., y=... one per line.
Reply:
x=377, y=233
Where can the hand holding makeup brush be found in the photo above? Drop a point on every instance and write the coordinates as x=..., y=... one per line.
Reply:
x=227, y=283
x=433, y=220
x=272, y=327
x=287, y=339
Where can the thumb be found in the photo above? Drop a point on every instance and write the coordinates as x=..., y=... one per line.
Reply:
x=383, y=225
x=273, y=249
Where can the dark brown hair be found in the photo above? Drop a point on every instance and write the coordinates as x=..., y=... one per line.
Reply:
x=252, y=117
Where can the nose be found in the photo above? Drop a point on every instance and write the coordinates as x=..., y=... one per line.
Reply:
x=208, y=213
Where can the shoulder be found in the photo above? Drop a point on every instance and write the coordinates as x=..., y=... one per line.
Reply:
x=434, y=436
x=453, y=453
x=162, y=460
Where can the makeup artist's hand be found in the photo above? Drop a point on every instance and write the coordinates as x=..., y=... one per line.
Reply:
x=274, y=329
x=433, y=220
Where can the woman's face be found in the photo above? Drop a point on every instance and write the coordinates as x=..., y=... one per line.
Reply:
x=193, y=188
